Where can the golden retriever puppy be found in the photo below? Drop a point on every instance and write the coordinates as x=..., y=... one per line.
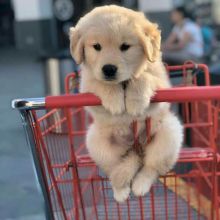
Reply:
x=119, y=53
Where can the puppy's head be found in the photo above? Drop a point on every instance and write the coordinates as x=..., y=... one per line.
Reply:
x=114, y=43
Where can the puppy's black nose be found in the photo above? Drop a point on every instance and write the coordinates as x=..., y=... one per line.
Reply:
x=109, y=71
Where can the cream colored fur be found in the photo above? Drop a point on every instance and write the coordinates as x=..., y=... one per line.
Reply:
x=109, y=139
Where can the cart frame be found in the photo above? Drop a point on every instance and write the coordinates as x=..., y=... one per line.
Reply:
x=27, y=105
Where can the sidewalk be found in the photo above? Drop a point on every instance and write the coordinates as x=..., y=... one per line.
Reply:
x=20, y=76
x=29, y=217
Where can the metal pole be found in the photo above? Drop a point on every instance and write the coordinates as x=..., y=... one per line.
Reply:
x=52, y=75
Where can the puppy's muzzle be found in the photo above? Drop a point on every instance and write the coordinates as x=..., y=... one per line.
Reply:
x=109, y=71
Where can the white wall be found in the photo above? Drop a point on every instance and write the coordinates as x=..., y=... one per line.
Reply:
x=155, y=5
x=216, y=11
x=32, y=9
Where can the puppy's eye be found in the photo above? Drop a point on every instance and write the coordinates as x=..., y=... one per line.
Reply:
x=97, y=47
x=124, y=47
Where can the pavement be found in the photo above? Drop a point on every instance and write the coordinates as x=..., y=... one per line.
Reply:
x=21, y=75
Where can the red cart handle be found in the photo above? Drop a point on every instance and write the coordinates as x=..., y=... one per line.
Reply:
x=177, y=94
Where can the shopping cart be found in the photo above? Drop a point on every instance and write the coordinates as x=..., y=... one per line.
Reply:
x=75, y=188
x=216, y=121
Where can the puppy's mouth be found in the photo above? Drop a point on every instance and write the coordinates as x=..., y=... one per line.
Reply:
x=116, y=81
x=109, y=79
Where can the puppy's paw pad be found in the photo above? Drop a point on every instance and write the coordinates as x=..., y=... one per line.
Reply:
x=141, y=185
x=122, y=194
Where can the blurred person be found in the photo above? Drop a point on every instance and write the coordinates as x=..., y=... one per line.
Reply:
x=185, y=41
x=209, y=38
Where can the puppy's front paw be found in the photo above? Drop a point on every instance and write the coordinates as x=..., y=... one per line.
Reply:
x=120, y=177
x=142, y=184
x=138, y=95
x=114, y=103
x=166, y=166
x=136, y=106
x=121, y=194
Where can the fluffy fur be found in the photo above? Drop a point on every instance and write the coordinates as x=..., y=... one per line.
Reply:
x=109, y=139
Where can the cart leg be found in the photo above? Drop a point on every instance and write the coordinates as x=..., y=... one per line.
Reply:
x=27, y=121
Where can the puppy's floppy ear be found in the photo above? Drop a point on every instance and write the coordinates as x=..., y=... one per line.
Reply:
x=76, y=45
x=150, y=38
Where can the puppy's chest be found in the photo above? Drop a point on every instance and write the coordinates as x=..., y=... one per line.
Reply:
x=125, y=135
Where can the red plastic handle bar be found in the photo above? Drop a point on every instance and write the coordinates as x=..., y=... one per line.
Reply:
x=181, y=94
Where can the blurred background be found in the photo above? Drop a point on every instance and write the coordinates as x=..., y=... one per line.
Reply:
x=34, y=59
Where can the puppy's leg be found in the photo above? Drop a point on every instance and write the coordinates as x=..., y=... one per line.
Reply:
x=160, y=155
x=138, y=95
x=123, y=173
x=108, y=156
x=102, y=151
x=113, y=99
x=112, y=96
x=125, y=170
